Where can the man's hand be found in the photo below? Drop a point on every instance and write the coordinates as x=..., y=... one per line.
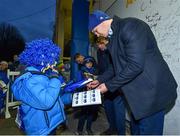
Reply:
x=102, y=88
x=93, y=84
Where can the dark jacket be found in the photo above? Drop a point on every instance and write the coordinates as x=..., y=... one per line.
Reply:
x=103, y=58
x=138, y=68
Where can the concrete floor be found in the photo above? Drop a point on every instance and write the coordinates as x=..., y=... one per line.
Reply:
x=8, y=126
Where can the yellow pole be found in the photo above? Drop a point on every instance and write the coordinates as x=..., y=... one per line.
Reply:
x=91, y=6
x=59, y=28
x=128, y=2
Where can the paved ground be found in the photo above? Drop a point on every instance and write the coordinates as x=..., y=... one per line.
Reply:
x=8, y=126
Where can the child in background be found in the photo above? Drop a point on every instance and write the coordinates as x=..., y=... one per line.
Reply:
x=3, y=82
x=39, y=89
x=89, y=70
x=88, y=113
x=79, y=59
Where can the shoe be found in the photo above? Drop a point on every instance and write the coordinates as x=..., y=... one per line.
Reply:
x=62, y=127
x=89, y=132
x=109, y=132
x=78, y=133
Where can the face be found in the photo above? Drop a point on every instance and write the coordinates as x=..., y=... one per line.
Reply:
x=15, y=57
x=79, y=60
x=101, y=30
x=3, y=66
x=89, y=64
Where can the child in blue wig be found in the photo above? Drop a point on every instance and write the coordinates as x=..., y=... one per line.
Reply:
x=39, y=89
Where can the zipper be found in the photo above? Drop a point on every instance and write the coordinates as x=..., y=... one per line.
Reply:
x=61, y=109
x=46, y=118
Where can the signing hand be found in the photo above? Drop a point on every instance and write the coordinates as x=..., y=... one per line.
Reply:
x=93, y=84
x=102, y=88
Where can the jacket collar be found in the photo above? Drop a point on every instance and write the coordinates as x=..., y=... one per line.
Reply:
x=114, y=23
x=114, y=28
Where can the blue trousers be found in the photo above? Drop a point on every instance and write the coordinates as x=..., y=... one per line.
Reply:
x=151, y=125
x=115, y=112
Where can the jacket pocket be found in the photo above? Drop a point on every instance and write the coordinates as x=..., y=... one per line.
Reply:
x=142, y=82
x=148, y=80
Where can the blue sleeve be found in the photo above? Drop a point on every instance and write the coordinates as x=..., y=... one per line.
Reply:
x=66, y=98
x=79, y=76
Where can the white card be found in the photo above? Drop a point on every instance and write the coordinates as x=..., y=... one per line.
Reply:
x=85, y=98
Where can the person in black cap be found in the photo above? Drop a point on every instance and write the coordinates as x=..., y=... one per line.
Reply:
x=138, y=69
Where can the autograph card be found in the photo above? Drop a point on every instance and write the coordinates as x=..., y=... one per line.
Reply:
x=85, y=98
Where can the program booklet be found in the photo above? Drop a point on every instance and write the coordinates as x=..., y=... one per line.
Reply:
x=91, y=97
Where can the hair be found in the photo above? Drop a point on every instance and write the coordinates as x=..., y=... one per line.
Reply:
x=77, y=55
x=40, y=53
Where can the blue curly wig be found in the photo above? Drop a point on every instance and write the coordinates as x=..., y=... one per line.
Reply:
x=40, y=53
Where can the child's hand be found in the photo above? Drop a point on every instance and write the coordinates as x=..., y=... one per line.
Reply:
x=53, y=68
x=46, y=68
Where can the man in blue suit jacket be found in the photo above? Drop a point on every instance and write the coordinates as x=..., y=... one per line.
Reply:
x=138, y=69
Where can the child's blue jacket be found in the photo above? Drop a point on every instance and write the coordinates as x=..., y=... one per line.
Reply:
x=42, y=106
